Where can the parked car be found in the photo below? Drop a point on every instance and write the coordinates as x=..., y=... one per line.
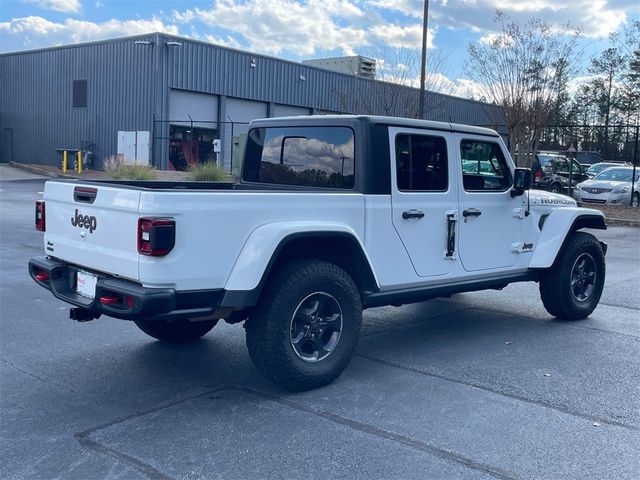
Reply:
x=551, y=172
x=596, y=168
x=612, y=186
x=588, y=158
x=332, y=214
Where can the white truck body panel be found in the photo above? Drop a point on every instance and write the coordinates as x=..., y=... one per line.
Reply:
x=111, y=247
x=213, y=227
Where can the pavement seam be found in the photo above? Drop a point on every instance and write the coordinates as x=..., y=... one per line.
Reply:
x=33, y=375
x=442, y=453
x=538, y=403
x=556, y=323
x=84, y=437
x=152, y=473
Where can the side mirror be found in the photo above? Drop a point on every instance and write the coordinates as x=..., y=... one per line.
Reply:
x=522, y=180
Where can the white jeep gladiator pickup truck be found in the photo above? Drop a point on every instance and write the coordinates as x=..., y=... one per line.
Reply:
x=332, y=214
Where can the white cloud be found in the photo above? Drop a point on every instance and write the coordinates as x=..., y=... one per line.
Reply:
x=402, y=37
x=35, y=32
x=277, y=26
x=64, y=6
x=598, y=18
x=227, y=41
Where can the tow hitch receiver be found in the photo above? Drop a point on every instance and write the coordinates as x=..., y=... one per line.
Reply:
x=82, y=315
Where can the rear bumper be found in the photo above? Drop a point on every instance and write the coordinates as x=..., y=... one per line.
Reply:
x=137, y=302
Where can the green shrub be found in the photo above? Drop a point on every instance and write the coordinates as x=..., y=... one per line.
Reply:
x=208, y=172
x=131, y=172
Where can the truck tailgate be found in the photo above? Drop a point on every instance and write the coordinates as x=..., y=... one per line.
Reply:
x=93, y=226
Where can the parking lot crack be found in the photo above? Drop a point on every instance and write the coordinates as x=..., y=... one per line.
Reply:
x=37, y=377
x=439, y=452
x=540, y=403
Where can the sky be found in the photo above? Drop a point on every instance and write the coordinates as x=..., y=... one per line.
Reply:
x=303, y=29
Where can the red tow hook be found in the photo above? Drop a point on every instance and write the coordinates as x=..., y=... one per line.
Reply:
x=42, y=276
x=110, y=299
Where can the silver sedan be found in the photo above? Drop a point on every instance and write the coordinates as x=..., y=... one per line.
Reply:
x=612, y=186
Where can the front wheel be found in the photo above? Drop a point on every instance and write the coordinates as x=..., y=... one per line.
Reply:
x=305, y=328
x=555, y=188
x=635, y=200
x=176, y=332
x=571, y=289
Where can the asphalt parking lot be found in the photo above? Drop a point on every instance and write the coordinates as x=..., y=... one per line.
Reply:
x=481, y=385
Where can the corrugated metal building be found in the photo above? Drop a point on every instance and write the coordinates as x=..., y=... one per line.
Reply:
x=179, y=95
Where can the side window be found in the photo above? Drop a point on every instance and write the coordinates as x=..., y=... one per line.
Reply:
x=484, y=167
x=421, y=163
x=305, y=156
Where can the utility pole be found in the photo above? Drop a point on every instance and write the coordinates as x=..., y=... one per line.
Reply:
x=423, y=67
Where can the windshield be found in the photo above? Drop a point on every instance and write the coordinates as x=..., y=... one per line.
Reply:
x=599, y=167
x=617, y=175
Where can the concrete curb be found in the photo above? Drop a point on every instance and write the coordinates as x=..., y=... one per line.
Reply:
x=44, y=172
x=29, y=168
x=622, y=222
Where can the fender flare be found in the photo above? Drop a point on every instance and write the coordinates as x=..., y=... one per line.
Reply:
x=260, y=251
x=557, y=227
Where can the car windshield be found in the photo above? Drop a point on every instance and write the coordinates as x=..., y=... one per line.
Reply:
x=617, y=175
x=598, y=167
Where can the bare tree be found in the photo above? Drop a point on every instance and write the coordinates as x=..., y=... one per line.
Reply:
x=521, y=69
x=396, y=89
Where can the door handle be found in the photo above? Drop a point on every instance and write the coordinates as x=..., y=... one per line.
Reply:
x=471, y=212
x=412, y=214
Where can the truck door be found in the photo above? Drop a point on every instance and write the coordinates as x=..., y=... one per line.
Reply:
x=490, y=219
x=423, y=193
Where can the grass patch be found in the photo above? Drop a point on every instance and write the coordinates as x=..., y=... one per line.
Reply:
x=208, y=172
x=119, y=171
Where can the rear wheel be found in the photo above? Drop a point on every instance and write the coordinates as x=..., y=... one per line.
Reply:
x=176, y=332
x=571, y=289
x=555, y=188
x=305, y=328
x=635, y=201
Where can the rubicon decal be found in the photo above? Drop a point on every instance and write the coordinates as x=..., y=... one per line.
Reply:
x=84, y=221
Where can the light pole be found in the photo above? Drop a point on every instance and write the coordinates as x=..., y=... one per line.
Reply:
x=423, y=67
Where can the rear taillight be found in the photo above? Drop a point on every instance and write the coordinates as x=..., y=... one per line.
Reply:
x=538, y=176
x=156, y=236
x=40, y=218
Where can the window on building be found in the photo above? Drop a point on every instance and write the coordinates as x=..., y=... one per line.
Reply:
x=79, y=93
x=421, y=163
x=484, y=167
x=306, y=156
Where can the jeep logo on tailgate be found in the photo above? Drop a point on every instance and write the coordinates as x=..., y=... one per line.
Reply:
x=84, y=221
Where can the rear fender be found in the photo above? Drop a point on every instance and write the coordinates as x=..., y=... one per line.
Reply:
x=264, y=244
x=556, y=229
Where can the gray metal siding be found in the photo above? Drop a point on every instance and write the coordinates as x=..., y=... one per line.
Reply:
x=129, y=85
x=35, y=98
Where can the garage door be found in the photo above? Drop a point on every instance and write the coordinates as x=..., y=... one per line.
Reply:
x=289, y=111
x=201, y=107
x=240, y=112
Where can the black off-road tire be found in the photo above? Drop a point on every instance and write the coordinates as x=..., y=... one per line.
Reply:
x=176, y=332
x=556, y=188
x=269, y=327
x=555, y=284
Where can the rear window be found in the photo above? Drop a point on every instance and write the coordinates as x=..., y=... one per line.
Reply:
x=306, y=156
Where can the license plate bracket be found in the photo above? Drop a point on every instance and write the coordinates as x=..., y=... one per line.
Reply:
x=86, y=284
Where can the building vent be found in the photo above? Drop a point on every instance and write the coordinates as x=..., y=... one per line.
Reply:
x=355, y=65
x=79, y=93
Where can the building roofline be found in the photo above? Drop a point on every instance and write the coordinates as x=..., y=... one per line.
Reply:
x=146, y=36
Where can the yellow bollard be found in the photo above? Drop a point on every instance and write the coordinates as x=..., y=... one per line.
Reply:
x=79, y=162
x=64, y=162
